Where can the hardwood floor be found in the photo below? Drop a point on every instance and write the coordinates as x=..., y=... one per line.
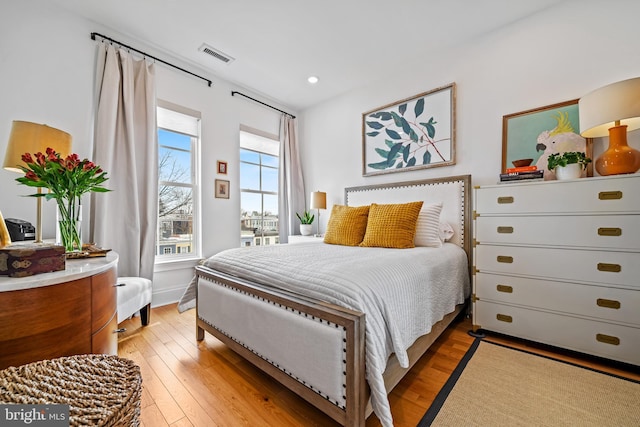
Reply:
x=204, y=384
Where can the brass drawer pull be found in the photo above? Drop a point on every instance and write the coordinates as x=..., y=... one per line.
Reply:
x=609, y=268
x=505, y=200
x=505, y=289
x=607, y=339
x=610, y=195
x=504, y=318
x=505, y=230
x=604, y=231
x=505, y=259
x=608, y=303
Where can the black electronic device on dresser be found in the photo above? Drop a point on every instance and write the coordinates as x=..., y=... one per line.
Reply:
x=20, y=230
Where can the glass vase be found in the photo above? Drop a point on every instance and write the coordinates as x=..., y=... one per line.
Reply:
x=69, y=230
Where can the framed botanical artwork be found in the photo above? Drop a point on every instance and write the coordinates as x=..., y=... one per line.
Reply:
x=530, y=137
x=222, y=189
x=414, y=133
x=222, y=167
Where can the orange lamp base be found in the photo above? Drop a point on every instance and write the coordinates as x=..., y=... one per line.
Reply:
x=619, y=158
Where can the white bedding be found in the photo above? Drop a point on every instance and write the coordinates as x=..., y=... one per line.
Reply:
x=403, y=292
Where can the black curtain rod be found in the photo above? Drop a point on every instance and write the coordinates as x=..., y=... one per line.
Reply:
x=93, y=37
x=260, y=102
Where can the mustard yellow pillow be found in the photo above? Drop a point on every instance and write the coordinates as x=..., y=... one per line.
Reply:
x=347, y=225
x=392, y=225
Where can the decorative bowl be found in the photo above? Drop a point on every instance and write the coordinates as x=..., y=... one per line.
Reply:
x=522, y=162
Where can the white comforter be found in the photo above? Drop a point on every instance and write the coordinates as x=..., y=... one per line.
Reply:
x=402, y=291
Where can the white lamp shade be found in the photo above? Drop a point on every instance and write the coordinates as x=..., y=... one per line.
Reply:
x=318, y=200
x=600, y=109
x=27, y=137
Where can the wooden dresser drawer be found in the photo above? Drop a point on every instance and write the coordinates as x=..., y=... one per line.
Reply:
x=44, y=323
x=103, y=298
x=621, y=232
x=583, y=266
x=106, y=339
x=599, y=302
x=599, y=338
x=611, y=194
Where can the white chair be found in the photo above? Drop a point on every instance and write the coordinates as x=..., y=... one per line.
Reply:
x=134, y=294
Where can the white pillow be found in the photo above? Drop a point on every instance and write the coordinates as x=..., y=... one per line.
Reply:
x=428, y=226
x=446, y=231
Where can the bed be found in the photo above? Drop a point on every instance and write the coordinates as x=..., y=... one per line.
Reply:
x=283, y=307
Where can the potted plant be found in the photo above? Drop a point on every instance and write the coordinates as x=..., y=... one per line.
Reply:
x=66, y=179
x=306, y=221
x=568, y=165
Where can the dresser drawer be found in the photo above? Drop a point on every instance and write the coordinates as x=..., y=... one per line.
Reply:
x=617, y=194
x=620, y=232
x=602, y=339
x=612, y=304
x=589, y=266
x=103, y=298
x=105, y=340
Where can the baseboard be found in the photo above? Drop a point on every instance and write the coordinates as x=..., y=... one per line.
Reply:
x=166, y=297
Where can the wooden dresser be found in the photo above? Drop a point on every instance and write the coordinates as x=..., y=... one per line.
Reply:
x=558, y=262
x=61, y=313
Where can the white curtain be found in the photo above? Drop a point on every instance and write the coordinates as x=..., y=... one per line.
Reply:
x=125, y=145
x=291, y=184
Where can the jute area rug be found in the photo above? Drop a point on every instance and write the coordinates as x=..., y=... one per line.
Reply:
x=499, y=386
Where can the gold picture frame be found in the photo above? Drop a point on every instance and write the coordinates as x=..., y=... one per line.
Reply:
x=530, y=136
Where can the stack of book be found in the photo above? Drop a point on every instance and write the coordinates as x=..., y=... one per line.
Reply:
x=523, y=173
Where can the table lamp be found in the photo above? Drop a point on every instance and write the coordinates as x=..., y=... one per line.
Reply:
x=318, y=201
x=613, y=110
x=27, y=137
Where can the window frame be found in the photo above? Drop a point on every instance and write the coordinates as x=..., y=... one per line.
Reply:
x=195, y=186
x=261, y=239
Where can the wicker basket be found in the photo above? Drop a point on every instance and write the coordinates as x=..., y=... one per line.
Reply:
x=101, y=390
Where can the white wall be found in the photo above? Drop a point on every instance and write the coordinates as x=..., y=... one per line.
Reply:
x=558, y=55
x=47, y=76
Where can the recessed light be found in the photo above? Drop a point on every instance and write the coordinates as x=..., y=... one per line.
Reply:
x=313, y=80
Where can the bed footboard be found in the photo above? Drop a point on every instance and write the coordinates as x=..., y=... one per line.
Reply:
x=319, y=350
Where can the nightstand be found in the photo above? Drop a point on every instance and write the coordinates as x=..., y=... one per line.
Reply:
x=305, y=239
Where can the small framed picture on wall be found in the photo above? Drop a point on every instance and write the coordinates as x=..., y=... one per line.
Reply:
x=222, y=189
x=222, y=167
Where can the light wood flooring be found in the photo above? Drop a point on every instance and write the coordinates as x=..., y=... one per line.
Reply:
x=204, y=384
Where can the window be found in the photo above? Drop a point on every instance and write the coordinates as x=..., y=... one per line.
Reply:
x=258, y=189
x=178, y=147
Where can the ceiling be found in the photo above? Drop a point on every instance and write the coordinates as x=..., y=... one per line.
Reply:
x=277, y=44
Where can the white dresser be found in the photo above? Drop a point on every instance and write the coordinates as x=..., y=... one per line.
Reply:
x=558, y=262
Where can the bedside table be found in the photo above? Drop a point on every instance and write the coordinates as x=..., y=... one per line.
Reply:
x=305, y=239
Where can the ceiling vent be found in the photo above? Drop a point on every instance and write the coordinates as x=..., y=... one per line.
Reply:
x=220, y=56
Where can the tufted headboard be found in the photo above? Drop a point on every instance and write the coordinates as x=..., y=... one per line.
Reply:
x=454, y=192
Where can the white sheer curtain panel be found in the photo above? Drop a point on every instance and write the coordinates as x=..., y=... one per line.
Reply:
x=291, y=184
x=125, y=145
